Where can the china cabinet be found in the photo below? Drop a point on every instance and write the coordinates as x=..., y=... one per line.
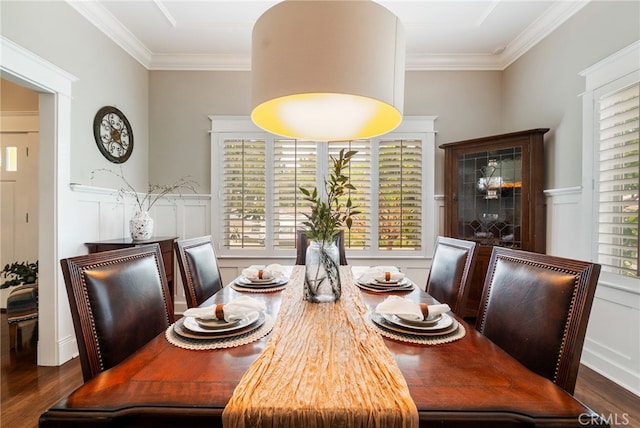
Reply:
x=494, y=196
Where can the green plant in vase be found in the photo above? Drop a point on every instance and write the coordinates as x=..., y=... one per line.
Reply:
x=330, y=212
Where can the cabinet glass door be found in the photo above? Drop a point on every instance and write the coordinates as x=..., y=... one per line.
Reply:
x=490, y=197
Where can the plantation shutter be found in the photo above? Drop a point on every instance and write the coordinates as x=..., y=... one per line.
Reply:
x=294, y=166
x=400, y=195
x=619, y=175
x=244, y=177
x=359, y=172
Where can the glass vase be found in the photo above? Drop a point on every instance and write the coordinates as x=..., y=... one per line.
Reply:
x=141, y=226
x=322, y=272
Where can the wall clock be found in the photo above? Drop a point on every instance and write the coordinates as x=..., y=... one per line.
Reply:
x=113, y=134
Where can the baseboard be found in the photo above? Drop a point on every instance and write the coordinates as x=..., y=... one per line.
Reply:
x=67, y=350
x=612, y=371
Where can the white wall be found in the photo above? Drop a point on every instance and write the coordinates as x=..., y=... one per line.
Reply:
x=543, y=89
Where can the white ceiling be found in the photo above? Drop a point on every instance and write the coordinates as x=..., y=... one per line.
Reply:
x=216, y=34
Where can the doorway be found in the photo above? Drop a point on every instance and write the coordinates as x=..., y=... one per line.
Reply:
x=56, y=340
x=18, y=178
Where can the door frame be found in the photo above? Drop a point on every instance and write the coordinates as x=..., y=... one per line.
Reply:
x=56, y=339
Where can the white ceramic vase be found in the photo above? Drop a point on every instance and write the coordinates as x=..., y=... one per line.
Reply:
x=141, y=226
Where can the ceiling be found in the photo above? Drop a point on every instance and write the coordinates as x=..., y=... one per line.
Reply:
x=216, y=34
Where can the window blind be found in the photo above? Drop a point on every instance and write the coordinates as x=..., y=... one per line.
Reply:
x=400, y=195
x=244, y=177
x=359, y=172
x=619, y=180
x=294, y=165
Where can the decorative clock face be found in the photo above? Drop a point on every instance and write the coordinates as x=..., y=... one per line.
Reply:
x=113, y=134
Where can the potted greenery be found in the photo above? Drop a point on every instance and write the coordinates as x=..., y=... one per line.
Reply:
x=18, y=273
x=329, y=213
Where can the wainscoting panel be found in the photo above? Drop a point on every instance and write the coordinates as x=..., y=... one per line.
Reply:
x=612, y=343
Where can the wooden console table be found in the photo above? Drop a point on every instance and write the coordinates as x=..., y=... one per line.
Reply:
x=166, y=247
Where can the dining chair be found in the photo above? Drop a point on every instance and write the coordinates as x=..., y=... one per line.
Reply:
x=119, y=301
x=199, y=269
x=302, y=242
x=451, y=271
x=536, y=308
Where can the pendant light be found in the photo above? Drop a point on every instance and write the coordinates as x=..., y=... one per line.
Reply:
x=328, y=70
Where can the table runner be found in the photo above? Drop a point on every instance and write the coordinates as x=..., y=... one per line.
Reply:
x=323, y=366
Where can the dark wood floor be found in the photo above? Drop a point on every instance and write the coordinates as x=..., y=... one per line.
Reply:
x=28, y=389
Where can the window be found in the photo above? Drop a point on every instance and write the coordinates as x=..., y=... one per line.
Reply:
x=618, y=180
x=257, y=205
x=612, y=137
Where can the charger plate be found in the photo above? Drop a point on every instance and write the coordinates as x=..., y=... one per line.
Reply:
x=220, y=343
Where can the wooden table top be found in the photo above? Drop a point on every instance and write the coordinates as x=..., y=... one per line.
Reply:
x=469, y=382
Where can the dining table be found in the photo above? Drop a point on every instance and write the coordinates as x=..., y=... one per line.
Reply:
x=464, y=381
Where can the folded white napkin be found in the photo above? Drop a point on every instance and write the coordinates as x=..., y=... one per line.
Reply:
x=405, y=308
x=379, y=273
x=238, y=309
x=272, y=271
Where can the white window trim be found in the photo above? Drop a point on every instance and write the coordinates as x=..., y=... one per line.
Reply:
x=623, y=65
x=412, y=127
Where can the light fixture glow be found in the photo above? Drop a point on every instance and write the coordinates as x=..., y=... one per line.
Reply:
x=328, y=70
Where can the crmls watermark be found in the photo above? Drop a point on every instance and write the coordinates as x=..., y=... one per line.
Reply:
x=613, y=419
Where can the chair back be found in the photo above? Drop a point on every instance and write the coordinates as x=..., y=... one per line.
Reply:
x=199, y=269
x=536, y=308
x=302, y=242
x=451, y=272
x=119, y=301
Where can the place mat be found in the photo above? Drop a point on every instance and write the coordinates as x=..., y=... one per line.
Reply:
x=459, y=333
x=257, y=289
x=227, y=342
x=318, y=367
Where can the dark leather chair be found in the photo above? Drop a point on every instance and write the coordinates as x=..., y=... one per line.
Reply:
x=451, y=272
x=302, y=242
x=199, y=269
x=536, y=307
x=119, y=301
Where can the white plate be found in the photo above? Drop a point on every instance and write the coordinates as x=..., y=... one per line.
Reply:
x=190, y=323
x=445, y=322
x=180, y=329
x=257, y=280
x=215, y=324
x=275, y=282
x=429, y=321
x=384, y=323
x=384, y=289
x=403, y=281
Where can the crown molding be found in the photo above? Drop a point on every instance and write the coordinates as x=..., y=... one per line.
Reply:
x=104, y=21
x=99, y=16
x=557, y=15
